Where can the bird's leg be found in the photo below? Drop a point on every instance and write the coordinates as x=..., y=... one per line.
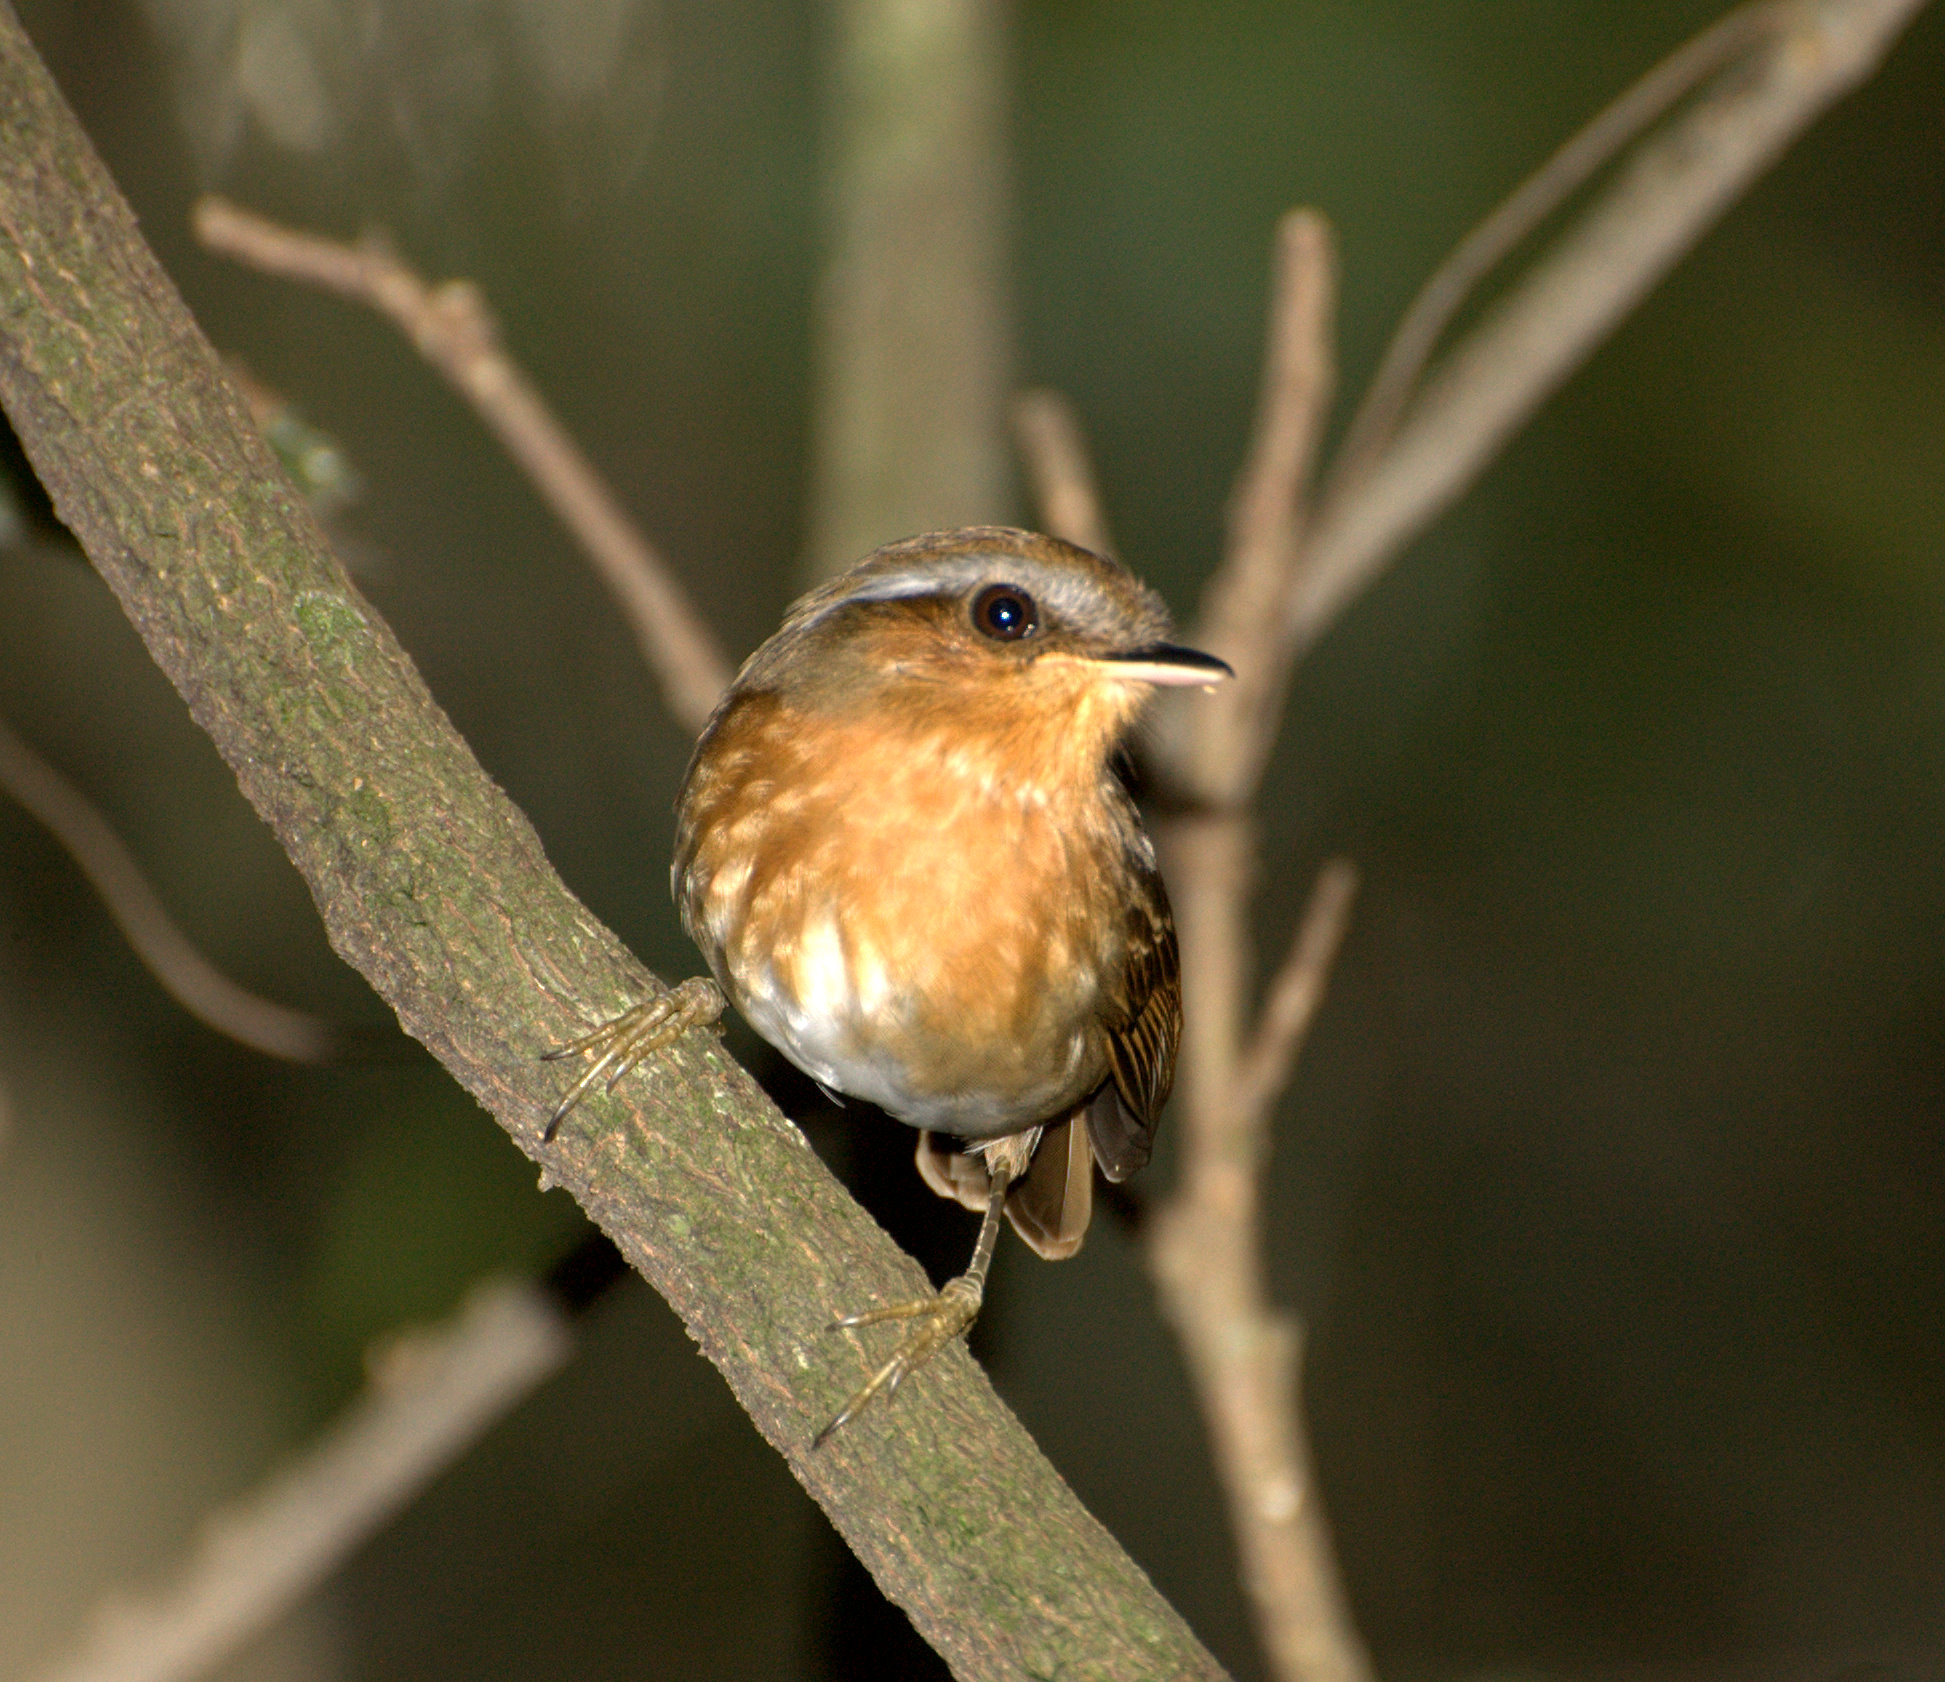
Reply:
x=941, y=1318
x=618, y=1046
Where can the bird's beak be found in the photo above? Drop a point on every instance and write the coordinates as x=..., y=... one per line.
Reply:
x=1167, y=666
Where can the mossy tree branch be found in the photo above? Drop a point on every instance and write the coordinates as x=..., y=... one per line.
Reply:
x=433, y=885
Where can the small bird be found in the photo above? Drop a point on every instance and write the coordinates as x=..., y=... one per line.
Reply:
x=904, y=849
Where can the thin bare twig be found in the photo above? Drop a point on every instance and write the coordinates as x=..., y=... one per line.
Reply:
x=1538, y=197
x=165, y=951
x=452, y=328
x=1299, y=377
x=1221, y=758
x=1263, y=1070
x=1060, y=477
x=1245, y=1355
x=1672, y=190
x=433, y=1394
x=1241, y=1355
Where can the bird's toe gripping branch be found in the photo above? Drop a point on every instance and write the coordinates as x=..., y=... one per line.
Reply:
x=640, y=1032
x=942, y=1318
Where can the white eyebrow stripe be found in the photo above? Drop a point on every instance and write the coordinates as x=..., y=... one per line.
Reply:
x=934, y=581
x=1068, y=601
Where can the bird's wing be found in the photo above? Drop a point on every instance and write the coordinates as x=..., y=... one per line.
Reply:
x=1144, y=1029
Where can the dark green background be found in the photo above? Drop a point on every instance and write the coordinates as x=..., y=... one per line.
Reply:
x=1613, y=1183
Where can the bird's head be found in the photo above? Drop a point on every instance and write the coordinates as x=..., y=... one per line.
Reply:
x=979, y=630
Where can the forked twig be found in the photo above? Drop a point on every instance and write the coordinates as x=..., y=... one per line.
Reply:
x=452, y=328
x=1243, y=1353
x=1416, y=444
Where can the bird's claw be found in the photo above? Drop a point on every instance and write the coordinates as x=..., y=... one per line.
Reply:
x=942, y=1318
x=637, y=1033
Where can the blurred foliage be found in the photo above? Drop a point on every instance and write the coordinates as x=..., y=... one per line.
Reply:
x=1614, y=1181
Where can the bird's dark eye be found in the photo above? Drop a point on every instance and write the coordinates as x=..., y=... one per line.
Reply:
x=1004, y=612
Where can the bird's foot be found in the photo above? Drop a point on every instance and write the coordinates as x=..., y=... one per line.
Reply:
x=941, y=1319
x=640, y=1032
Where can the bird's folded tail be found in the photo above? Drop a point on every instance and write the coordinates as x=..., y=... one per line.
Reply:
x=1049, y=1205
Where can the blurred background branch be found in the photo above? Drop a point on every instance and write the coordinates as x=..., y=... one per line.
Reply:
x=914, y=341
x=433, y=1393
x=166, y=952
x=452, y=328
x=1283, y=579
x=1796, y=58
x=1518, y=216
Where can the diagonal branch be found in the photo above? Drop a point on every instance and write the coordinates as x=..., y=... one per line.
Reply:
x=1537, y=198
x=433, y=885
x=452, y=328
x=432, y=1395
x=1669, y=193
